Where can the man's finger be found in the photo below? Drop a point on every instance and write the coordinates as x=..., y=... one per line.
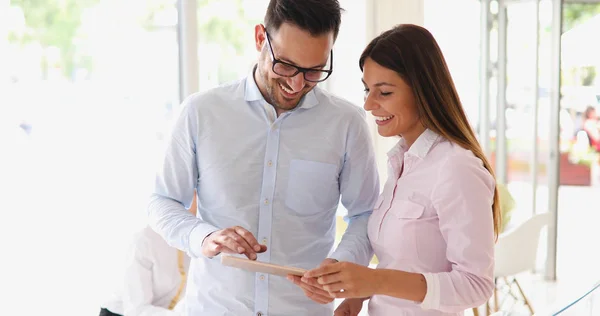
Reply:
x=249, y=238
x=230, y=244
x=314, y=287
x=318, y=298
x=309, y=285
x=238, y=244
x=216, y=248
x=294, y=278
x=315, y=293
x=211, y=248
x=248, y=251
x=263, y=248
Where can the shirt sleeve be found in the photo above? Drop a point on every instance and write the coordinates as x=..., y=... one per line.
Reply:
x=138, y=288
x=463, y=198
x=359, y=188
x=174, y=187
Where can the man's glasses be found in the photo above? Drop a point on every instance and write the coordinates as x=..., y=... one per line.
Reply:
x=284, y=69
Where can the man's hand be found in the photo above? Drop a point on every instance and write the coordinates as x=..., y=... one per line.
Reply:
x=312, y=289
x=349, y=307
x=232, y=240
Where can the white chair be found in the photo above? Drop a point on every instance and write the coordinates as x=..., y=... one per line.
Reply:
x=516, y=252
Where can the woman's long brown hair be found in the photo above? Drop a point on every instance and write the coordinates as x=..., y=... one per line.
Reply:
x=414, y=54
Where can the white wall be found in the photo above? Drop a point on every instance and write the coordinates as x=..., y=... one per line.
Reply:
x=362, y=21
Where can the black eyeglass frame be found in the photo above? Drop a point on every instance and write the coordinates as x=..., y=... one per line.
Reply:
x=302, y=70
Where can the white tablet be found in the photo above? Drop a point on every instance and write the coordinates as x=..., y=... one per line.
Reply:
x=256, y=266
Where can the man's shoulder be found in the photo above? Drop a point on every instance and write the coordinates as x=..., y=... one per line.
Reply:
x=224, y=93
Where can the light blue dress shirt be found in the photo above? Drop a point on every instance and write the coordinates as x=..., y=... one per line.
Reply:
x=279, y=177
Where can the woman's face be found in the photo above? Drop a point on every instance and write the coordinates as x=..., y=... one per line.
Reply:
x=391, y=100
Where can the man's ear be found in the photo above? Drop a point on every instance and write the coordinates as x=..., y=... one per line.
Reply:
x=260, y=36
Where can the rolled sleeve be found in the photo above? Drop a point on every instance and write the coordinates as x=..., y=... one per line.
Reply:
x=463, y=198
x=197, y=236
x=432, y=296
x=359, y=187
x=174, y=188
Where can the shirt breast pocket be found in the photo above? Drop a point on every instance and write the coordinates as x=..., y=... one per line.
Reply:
x=400, y=228
x=312, y=187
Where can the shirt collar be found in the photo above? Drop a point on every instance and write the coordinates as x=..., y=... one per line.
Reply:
x=419, y=148
x=252, y=93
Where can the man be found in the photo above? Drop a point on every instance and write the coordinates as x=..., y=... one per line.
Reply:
x=270, y=156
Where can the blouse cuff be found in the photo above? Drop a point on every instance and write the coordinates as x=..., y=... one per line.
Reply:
x=432, y=297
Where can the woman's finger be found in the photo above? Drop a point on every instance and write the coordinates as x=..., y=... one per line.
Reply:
x=324, y=270
x=329, y=278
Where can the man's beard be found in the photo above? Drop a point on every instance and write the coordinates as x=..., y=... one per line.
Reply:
x=274, y=93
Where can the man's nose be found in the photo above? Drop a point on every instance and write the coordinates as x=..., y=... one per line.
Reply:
x=296, y=82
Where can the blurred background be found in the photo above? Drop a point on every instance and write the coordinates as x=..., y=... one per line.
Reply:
x=89, y=89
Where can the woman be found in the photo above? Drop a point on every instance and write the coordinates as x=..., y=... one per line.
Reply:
x=434, y=226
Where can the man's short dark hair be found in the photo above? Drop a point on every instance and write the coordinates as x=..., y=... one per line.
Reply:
x=315, y=16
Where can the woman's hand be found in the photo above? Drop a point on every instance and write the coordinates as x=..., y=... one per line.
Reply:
x=311, y=288
x=345, y=280
x=349, y=307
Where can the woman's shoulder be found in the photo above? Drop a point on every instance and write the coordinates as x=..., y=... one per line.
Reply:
x=452, y=151
x=448, y=152
x=457, y=160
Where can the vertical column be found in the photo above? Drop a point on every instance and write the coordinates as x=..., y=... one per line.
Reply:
x=4, y=21
x=536, y=65
x=187, y=33
x=554, y=139
x=484, y=77
x=501, y=152
x=381, y=16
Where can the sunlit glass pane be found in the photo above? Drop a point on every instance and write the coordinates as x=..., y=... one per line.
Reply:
x=225, y=31
x=87, y=92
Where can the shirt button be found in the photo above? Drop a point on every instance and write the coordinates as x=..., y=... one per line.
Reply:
x=266, y=201
x=264, y=241
x=259, y=314
x=270, y=163
x=261, y=277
